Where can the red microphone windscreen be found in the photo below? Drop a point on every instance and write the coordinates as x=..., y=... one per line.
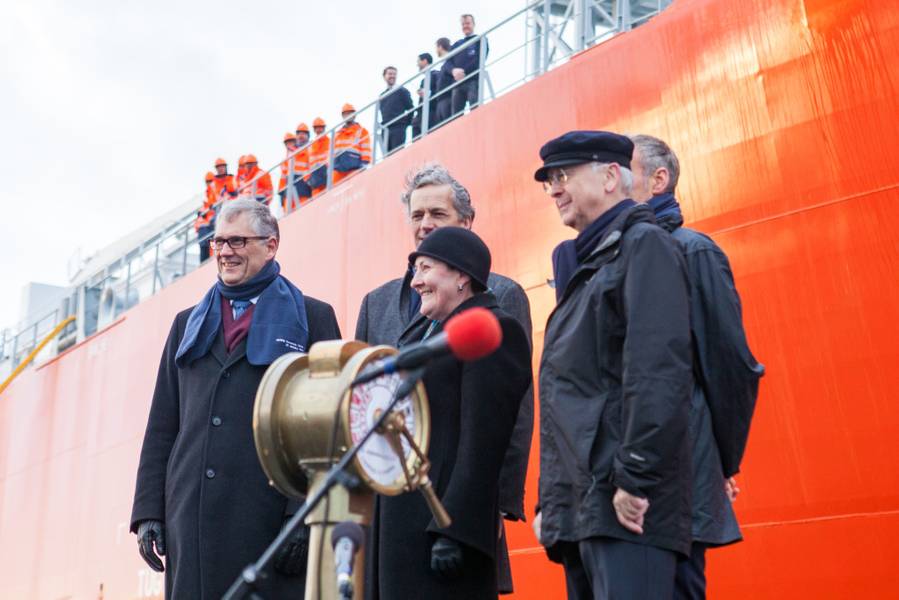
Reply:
x=473, y=334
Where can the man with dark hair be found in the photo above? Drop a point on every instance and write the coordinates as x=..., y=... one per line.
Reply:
x=424, y=61
x=727, y=386
x=202, y=499
x=466, y=67
x=396, y=106
x=434, y=198
x=443, y=96
x=615, y=381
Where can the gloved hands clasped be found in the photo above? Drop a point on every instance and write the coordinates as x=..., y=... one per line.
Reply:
x=447, y=558
x=149, y=532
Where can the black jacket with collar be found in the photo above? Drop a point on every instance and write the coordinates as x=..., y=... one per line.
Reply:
x=473, y=408
x=615, y=384
x=199, y=472
x=727, y=382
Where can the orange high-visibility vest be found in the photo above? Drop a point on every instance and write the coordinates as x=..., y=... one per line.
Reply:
x=207, y=211
x=287, y=165
x=259, y=185
x=352, y=136
x=225, y=188
x=300, y=166
x=318, y=156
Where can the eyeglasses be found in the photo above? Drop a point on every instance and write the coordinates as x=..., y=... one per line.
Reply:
x=554, y=177
x=561, y=177
x=237, y=242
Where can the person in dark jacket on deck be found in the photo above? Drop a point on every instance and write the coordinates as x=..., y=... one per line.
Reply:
x=615, y=381
x=473, y=407
x=466, y=67
x=396, y=110
x=727, y=374
x=433, y=198
x=202, y=500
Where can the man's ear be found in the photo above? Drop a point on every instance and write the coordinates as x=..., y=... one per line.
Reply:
x=272, y=245
x=660, y=180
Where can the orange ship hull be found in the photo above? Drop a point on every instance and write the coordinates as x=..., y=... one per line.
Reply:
x=784, y=114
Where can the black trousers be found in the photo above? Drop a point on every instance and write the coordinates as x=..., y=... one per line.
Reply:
x=610, y=569
x=444, y=108
x=690, y=581
x=465, y=93
x=396, y=137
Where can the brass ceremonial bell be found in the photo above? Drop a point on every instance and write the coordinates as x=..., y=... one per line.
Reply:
x=306, y=418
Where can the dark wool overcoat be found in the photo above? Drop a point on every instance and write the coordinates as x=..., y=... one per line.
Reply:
x=199, y=472
x=383, y=317
x=473, y=410
x=615, y=388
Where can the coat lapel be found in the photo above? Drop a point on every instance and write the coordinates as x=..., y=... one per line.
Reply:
x=218, y=348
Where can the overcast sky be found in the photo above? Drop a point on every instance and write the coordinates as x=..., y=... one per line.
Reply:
x=111, y=112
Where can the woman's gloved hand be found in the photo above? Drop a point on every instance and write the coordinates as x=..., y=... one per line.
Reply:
x=446, y=558
x=149, y=532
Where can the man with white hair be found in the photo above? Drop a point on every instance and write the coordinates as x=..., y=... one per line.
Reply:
x=202, y=499
x=615, y=381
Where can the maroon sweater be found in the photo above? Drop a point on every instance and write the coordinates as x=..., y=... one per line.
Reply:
x=235, y=331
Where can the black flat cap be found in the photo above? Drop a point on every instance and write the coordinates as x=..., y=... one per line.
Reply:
x=576, y=147
x=460, y=248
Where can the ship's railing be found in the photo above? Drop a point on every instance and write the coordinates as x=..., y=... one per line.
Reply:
x=554, y=31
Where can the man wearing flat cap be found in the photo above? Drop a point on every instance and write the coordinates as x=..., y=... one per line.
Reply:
x=615, y=381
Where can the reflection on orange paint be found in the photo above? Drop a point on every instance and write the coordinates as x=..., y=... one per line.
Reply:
x=783, y=113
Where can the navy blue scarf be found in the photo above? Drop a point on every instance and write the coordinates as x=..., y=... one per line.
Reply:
x=279, y=320
x=664, y=205
x=571, y=253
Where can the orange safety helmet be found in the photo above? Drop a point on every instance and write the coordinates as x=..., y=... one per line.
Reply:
x=318, y=122
x=289, y=136
x=209, y=176
x=347, y=108
x=305, y=128
x=249, y=158
x=242, y=160
x=220, y=162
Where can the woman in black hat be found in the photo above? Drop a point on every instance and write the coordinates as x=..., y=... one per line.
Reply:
x=473, y=410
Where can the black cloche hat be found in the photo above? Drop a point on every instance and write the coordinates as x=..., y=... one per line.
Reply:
x=576, y=147
x=460, y=248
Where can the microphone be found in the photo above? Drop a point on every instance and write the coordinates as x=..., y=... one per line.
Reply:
x=346, y=539
x=470, y=335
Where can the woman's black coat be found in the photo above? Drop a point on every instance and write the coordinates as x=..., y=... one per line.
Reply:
x=473, y=410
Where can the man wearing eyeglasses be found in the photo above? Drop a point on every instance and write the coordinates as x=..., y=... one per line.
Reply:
x=615, y=382
x=202, y=500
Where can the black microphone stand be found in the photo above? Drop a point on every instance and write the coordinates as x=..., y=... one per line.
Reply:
x=245, y=584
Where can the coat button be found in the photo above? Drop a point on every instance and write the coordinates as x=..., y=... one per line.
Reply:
x=216, y=421
x=226, y=374
x=210, y=473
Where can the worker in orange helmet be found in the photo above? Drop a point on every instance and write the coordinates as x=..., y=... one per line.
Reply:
x=259, y=182
x=288, y=196
x=301, y=163
x=352, y=146
x=292, y=187
x=205, y=223
x=241, y=178
x=223, y=183
x=318, y=158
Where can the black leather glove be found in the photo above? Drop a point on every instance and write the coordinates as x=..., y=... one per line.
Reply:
x=148, y=532
x=294, y=555
x=446, y=558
